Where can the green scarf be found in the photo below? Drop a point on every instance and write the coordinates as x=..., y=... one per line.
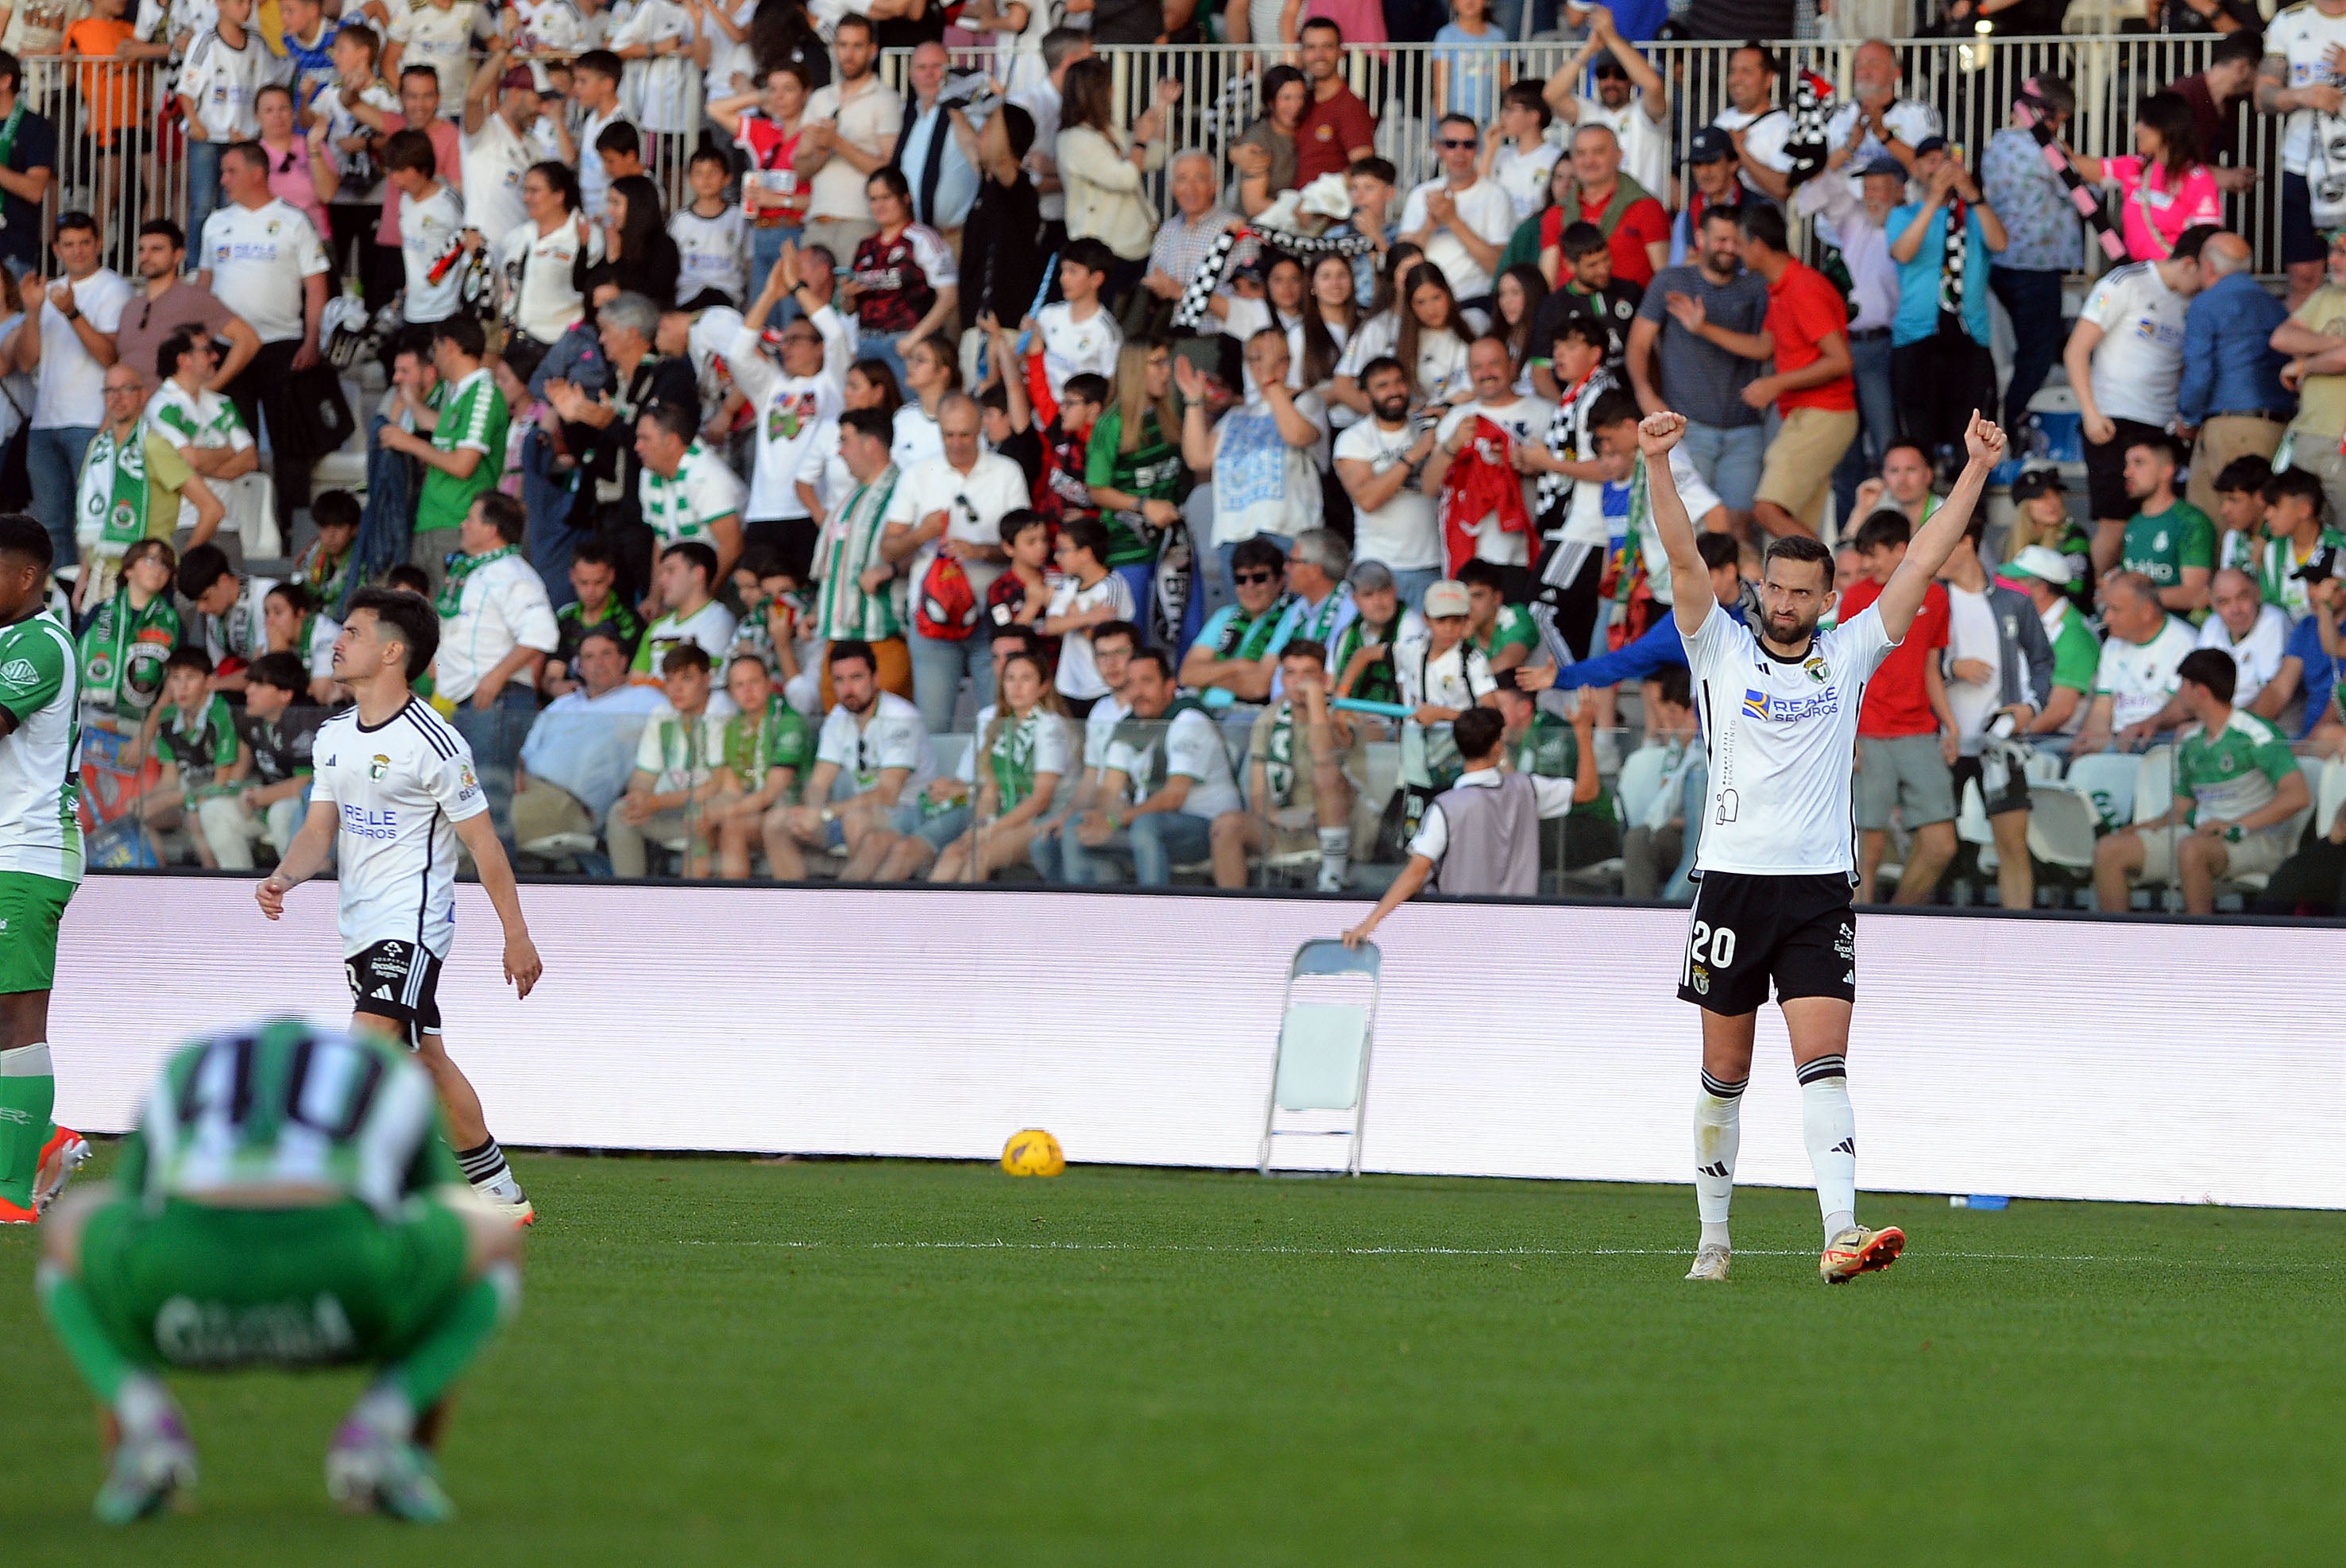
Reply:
x=123, y=652
x=1377, y=682
x=8, y=132
x=1633, y=547
x=1010, y=753
x=1626, y=193
x=451, y=592
x=114, y=489
x=1249, y=637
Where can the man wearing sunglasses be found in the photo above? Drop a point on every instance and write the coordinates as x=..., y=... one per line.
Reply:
x=1461, y=220
x=1631, y=100
x=164, y=302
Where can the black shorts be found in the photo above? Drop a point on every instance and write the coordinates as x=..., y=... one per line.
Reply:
x=2013, y=798
x=2106, y=490
x=1800, y=931
x=399, y=980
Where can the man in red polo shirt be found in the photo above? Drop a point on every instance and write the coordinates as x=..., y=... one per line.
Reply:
x=1806, y=333
x=1636, y=228
x=1337, y=130
x=1907, y=737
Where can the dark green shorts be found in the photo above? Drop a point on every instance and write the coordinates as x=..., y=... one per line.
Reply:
x=214, y=1288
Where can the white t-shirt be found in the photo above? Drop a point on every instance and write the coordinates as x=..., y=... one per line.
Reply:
x=594, y=180
x=1099, y=730
x=728, y=60
x=326, y=104
x=1971, y=634
x=550, y=303
x=548, y=28
x=917, y=438
x=400, y=789
x=1193, y=748
x=441, y=39
x=71, y=386
x=1783, y=741
x=1041, y=100
x=1405, y=533
x=704, y=489
x=662, y=93
x=503, y=606
x=495, y=158
x=973, y=504
x=2138, y=363
x=1909, y=120
x=868, y=120
x=1071, y=347
x=1526, y=420
x=681, y=753
x=1523, y=176
x=710, y=628
x=1645, y=145
x=715, y=252
x=2303, y=36
x=259, y=258
x=1078, y=675
x=2139, y=677
x=222, y=81
x=791, y=413
x=1767, y=141
x=2257, y=655
x=1460, y=678
x=428, y=231
x=891, y=735
x=1440, y=367
x=1482, y=207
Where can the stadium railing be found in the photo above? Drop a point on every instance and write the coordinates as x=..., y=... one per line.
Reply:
x=1970, y=81
x=142, y=172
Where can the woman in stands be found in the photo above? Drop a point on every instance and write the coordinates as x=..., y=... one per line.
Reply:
x=930, y=372
x=1431, y=342
x=1133, y=463
x=1521, y=291
x=1264, y=154
x=1103, y=171
x=1025, y=751
x=637, y=248
x=2166, y=187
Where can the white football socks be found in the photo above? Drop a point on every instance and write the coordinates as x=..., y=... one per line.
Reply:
x=1829, y=1124
x=1717, y=1135
x=1335, y=858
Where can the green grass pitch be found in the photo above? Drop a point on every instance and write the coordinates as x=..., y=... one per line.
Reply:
x=725, y=1361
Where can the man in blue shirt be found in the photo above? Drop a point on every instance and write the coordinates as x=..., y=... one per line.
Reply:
x=2231, y=392
x=1939, y=355
x=2307, y=664
x=928, y=149
x=1660, y=647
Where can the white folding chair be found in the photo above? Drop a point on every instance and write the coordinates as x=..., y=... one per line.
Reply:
x=2061, y=827
x=1322, y=1061
x=2107, y=780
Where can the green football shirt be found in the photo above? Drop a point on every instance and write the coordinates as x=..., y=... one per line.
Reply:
x=2160, y=546
x=201, y=743
x=40, y=757
x=2076, y=656
x=2239, y=770
x=1512, y=628
x=778, y=738
x=474, y=419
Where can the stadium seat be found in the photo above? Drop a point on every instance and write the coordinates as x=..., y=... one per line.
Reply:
x=2154, y=784
x=2061, y=827
x=2107, y=780
x=251, y=503
x=2044, y=767
x=1642, y=772
x=2331, y=795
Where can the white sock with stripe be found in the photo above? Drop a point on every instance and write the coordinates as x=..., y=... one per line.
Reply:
x=1829, y=1123
x=1718, y=1136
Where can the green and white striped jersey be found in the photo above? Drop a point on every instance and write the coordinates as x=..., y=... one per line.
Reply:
x=40, y=757
x=289, y=1104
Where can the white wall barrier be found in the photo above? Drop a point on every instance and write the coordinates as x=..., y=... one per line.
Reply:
x=2129, y=1061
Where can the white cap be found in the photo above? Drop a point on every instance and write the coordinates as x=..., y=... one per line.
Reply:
x=2043, y=563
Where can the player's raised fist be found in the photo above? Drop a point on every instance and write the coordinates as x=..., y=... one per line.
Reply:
x=1984, y=439
x=1658, y=432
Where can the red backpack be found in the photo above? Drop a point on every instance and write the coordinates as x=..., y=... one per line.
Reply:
x=946, y=608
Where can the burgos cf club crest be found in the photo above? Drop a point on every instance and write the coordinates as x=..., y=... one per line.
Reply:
x=379, y=765
x=1818, y=670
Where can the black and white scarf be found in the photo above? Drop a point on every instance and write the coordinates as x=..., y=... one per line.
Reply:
x=2029, y=109
x=1564, y=433
x=1190, y=312
x=1951, y=269
x=1812, y=98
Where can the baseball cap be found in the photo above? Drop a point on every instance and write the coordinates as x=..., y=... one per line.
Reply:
x=1605, y=64
x=1447, y=597
x=2045, y=564
x=1709, y=145
x=1882, y=163
x=2038, y=481
x=2327, y=562
x=1369, y=577
x=531, y=75
x=1930, y=144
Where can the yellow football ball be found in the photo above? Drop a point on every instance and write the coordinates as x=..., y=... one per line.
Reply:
x=1032, y=1153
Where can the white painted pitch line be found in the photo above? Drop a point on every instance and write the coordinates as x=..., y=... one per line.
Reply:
x=1274, y=1250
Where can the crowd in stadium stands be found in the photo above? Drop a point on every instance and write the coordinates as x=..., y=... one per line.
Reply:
x=925, y=417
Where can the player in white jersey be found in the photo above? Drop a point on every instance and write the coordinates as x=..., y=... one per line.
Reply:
x=1776, y=866
x=395, y=791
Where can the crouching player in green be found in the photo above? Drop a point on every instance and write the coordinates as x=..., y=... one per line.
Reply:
x=287, y=1200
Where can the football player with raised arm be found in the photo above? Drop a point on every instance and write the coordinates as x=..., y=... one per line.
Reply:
x=395, y=793
x=1777, y=865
